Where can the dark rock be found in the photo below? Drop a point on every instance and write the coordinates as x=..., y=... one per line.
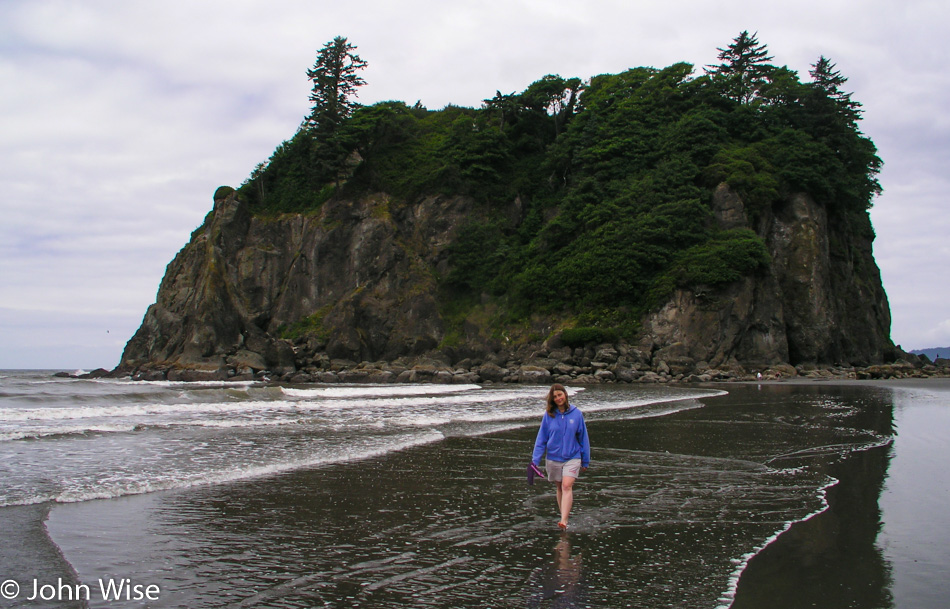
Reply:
x=355, y=281
x=811, y=306
x=247, y=360
x=492, y=372
x=337, y=365
x=353, y=376
x=193, y=375
x=728, y=208
x=638, y=356
x=587, y=379
x=150, y=375
x=542, y=362
x=563, y=369
x=301, y=378
x=98, y=373
x=285, y=359
x=443, y=376
x=626, y=375
x=535, y=375
x=381, y=376
x=783, y=370
x=466, y=364
x=465, y=378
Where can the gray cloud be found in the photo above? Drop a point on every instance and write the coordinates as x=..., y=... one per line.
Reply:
x=119, y=119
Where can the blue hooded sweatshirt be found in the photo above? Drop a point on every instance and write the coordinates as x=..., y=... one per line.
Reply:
x=564, y=436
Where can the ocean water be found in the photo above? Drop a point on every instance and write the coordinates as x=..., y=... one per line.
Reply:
x=119, y=493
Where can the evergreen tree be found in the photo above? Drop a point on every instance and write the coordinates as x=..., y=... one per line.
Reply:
x=826, y=77
x=833, y=120
x=506, y=106
x=335, y=77
x=829, y=81
x=612, y=177
x=744, y=69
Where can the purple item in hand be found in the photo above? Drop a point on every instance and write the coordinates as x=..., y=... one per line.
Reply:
x=532, y=472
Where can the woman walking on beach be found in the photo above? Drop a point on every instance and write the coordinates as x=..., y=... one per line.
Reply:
x=563, y=436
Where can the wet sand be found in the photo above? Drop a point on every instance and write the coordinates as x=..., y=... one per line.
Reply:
x=670, y=513
x=936, y=383
x=827, y=561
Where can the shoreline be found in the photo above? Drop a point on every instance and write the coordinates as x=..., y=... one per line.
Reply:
x=603, y=365
x=911, y=382
x=901, y=559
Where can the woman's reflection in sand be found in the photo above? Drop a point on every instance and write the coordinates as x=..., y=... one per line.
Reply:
x=560, y=579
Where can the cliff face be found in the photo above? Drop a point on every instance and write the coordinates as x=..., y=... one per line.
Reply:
x=822, y=300
x=357, y=280
x=358, y=269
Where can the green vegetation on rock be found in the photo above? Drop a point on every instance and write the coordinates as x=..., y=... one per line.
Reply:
x=308, y=327
x=593, y=195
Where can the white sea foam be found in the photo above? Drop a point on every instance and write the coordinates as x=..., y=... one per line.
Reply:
x=133, y=410
x=111, y=437
x=396, y=403
x=127, y=382
x=120, y=488
x=650, y=400
x=729, y=596
x=381, y=391
x=236, y=423
x=79, y=488
x=403, y=408
x=34, y=434
x=192, y=407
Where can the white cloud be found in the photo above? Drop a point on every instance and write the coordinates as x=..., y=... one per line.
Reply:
x=941, y=334
x=119, y=119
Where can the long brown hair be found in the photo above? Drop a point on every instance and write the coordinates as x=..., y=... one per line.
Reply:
x=552, y=407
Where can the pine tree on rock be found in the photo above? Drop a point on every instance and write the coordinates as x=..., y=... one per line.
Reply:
x=829, y=81
x=335, y=77
x=744, y=68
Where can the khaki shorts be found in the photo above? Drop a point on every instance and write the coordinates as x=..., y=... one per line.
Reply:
x=558, y=469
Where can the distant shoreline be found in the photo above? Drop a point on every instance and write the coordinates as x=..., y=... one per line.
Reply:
x=541, y=371
x=923, y=382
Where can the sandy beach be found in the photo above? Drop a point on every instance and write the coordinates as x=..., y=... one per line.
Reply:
x=783, y=494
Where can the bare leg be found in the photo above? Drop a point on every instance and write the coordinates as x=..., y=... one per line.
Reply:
x=565, y=498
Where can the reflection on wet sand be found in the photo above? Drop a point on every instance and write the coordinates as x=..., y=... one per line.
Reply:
x=830, y=560
x=559, y=581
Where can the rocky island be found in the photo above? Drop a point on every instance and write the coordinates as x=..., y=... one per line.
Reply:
x=647, y=226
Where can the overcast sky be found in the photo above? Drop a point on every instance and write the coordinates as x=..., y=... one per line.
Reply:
x=118, y=119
